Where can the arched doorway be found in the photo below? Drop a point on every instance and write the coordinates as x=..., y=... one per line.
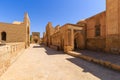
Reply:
x=36, y=40
x=3, y=36
x=75, y=44
x=79, y=40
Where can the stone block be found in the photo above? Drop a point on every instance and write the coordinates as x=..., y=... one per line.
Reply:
x=89, y=58
x=96, y=60
x=68, y=48
x=115, y=67
x=107, y=64
x=101, y=62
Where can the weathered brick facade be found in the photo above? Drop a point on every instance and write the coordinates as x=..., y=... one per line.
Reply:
x=62, y=38
x=113, y=26
x=16, y=32
x=96, y=42
x=100, y=32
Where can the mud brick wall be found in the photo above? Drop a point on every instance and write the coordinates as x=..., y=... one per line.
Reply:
x=8, y=54
x=97, y=44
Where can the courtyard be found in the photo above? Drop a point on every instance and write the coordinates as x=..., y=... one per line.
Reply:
x=52, y=40
x=43, y=63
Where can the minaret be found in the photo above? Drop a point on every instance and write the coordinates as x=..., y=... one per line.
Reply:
x=113, y=26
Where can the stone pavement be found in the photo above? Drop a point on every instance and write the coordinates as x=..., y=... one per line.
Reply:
x=111, y=61
x=113, y=58
x=43, y=63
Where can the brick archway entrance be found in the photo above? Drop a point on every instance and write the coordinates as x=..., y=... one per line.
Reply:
x=79, y=39
x=75, y=39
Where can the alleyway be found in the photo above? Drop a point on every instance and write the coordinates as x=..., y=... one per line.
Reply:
x=42, y=63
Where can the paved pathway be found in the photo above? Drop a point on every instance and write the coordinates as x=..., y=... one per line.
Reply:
x=41, y=63
x=113, y=58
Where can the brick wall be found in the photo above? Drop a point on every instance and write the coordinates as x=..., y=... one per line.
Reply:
x=8, y=54
x=96, y=42
x=14, y=32
x=17, y=31
x=93, y=21
x=113, y=26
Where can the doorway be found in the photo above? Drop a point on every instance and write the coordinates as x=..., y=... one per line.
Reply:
x=3, y=36
x=35, y=40
x=62, y=44
x=75, y=44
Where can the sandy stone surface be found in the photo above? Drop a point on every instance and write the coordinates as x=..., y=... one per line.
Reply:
x=42, y=63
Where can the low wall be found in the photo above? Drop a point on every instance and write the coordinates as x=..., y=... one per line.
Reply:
x=8, y=54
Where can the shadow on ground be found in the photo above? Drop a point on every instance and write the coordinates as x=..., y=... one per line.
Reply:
x=97, y=70
x=114, y=58
x=49, y=51
x=101, y=72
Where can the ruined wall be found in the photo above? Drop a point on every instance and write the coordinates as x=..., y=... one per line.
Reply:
x=49, y=33
x=94, y=42
x=63, y=37
x=44, y=38
x=59, y=38
x=8, y=54
x=56, y=38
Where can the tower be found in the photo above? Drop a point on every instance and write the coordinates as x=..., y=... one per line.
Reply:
x=113, y=26
x=26, y=23
x=26, y=19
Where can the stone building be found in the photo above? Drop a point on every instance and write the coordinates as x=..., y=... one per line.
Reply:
x=49, y=32
x=96, y=32
x=113, y=26
x=36, y=37
x=100, y=32
x=64, y=38
x=16, y=31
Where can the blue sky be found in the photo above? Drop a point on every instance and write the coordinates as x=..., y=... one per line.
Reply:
x=59, y=12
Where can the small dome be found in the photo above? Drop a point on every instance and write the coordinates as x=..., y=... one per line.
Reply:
x=81, y=21
x=16, y=22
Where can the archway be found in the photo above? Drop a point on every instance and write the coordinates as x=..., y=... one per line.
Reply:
x=3, y=36
x=36, y=40
x=62, y=44
x=79, y=40
x=75, y=44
